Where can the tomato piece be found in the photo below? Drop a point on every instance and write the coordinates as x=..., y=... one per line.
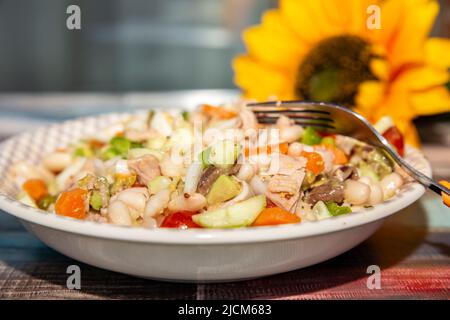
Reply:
x=180, y=220
x=72, y=203
x=395, y=138
x=35, y=188
x=314, y=162
x=270, y=203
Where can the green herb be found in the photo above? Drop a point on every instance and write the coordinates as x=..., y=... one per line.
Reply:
x=311, y=137
x=337, y=210
x=185, y=115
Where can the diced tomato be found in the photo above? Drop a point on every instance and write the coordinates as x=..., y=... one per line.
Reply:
x=395, y=138
x=270, y=204
x=180, y=220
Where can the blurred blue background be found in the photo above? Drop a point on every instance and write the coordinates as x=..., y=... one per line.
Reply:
x=138, y=45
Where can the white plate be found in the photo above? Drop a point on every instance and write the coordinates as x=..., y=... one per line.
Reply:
x=190, y=255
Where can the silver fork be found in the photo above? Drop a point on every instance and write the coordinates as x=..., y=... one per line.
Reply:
x=333, y=118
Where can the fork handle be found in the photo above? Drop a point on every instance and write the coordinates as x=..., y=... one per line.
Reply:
x=437, y=187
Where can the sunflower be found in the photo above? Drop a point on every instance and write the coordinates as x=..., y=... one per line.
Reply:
x=324, y=50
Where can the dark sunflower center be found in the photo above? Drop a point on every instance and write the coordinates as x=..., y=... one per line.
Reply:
x=333, y=69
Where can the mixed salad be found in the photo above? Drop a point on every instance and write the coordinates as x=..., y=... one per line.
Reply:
x=215, y=167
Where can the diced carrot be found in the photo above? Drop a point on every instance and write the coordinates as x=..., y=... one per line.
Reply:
x=218, y=112
x=36, y=189
x=72, y=203
x=274, y=216
x=284, y=147
x=339, y=156
x=445, y=197
x=314, y=162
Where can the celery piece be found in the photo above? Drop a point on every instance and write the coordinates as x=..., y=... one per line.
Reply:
x=96, y=200
x=46, y=201
x=311, y=137
x=337, y=210
x=120, y=144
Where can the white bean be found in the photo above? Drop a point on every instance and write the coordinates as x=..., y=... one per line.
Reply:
x=356, y=192
x=295, y=149
x=291, y=134
x=157, y=203
x=118, y=213
x=283, y=122
x=135, y=199
x=193, y=202
x=376, y=194
x=246, y=172
x=171, y=169
x=57, y=161
x=390, y=184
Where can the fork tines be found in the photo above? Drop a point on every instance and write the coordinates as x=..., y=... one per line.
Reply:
x=269, y=114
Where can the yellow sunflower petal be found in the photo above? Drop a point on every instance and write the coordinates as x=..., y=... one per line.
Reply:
x=420, y=78
x=356, y=11
x=432, y=101
x=380, y=68
x=259, y=81
x=391, y=16
x=418, y=18
x=274, y=43
x=437, y=52
x=299, y=18
x=370, y=94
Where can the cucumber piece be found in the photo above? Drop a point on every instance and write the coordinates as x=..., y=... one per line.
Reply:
x=320, y=210
x=223, y=154
x=241, y=214
x=365, y=170
x=223, y=189
x=26, y=199
x=204, y=157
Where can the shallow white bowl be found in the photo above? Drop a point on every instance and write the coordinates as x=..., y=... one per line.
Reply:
x=190, y=255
